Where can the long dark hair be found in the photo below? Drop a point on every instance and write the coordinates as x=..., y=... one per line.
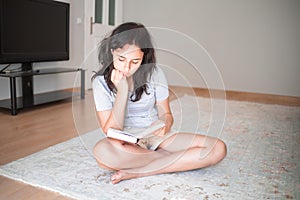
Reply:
x=134, y=34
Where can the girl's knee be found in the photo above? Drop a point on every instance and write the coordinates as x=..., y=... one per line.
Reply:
x=98, y=150
x=106, y=146
x=102, y=151
x=108, y=153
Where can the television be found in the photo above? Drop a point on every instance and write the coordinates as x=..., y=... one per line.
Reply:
x=33, y=31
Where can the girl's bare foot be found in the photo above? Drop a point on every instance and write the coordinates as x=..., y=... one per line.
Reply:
x=122, y=175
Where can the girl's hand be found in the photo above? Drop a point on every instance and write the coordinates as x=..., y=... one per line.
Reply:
x=119, y=80
x=160, y=132
x=167, y=118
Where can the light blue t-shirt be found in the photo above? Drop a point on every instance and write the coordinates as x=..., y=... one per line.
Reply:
x=141, y=113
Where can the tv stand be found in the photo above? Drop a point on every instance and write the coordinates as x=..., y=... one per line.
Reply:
x=27, y=85
x=28, y=97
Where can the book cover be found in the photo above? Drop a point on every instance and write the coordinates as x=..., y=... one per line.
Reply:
x=133, y=135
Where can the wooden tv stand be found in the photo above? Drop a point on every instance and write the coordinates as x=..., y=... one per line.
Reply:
x=28, y=98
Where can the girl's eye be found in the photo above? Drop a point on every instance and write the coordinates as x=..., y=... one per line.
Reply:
x=135, y=62
x=121, y=59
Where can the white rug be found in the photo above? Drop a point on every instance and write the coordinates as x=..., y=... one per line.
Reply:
x=263, y=160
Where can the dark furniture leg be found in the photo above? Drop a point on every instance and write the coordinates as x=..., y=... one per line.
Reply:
x=13, y=96
x=82, y=92
x=27, y=91
x=27, y=86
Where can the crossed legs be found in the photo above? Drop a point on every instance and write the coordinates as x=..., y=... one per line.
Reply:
x=180, y=152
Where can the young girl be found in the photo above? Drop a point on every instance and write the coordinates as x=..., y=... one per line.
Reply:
x=131, y=91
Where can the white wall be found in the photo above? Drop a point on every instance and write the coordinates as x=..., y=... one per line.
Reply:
x=255, y=44
x=46, y=83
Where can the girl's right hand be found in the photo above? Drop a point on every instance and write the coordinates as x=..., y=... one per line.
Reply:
x=119, y=80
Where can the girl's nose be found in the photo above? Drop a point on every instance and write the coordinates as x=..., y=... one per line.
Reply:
x=127, y=66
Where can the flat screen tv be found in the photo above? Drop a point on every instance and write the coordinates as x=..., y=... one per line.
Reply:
x=33, y=31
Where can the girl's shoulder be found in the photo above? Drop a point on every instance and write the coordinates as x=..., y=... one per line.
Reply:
x=157, y=74
x=99, y=82
x=156, y=71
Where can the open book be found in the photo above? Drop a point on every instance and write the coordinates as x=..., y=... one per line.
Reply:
x=133, y=135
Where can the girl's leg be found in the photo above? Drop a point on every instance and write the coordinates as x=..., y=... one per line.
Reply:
x=114, y=155
x=185, y=152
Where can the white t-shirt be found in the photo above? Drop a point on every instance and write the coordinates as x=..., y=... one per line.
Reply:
x=141, y=113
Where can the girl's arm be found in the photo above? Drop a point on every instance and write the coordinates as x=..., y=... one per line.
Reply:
x=114, y=118
x=165, y=115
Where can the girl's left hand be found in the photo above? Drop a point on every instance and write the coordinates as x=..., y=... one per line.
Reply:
x=164, y=130
x=160, y=132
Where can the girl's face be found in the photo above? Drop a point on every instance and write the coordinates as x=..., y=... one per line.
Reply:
x=127, y=59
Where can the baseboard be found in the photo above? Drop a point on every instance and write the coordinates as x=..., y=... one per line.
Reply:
x=177, y=91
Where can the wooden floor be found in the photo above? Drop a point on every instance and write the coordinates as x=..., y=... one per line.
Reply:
x=37, y=128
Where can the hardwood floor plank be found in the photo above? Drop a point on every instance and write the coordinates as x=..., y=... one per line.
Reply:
x=8, y=187
x=238, y=96
x=15, y=190
x=35, y=129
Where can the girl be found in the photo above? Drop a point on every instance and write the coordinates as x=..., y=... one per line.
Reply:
x=131, y=91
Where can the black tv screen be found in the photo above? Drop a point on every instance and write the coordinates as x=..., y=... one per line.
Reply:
x=33, y=31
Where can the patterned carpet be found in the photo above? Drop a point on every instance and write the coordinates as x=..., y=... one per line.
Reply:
x=263, y=160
